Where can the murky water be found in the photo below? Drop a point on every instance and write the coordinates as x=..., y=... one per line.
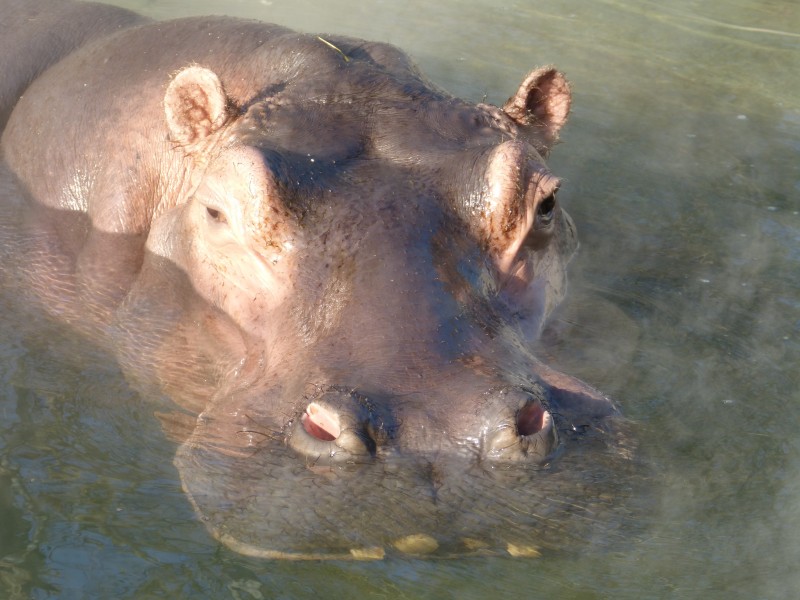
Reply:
x=682, y=162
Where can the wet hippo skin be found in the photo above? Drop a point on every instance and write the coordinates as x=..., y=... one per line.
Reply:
x=332, y=267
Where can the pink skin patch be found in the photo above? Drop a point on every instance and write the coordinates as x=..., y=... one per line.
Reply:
x=321, y=422
x=531, y=419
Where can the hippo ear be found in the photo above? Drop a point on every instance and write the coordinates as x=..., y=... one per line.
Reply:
x=195, y=105
x=542, y=100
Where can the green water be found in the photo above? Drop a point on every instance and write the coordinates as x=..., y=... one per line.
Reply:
x=682, y=170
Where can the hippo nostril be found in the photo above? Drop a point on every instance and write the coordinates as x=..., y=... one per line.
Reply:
x=523, y=429
x=332, y=429
x=321, y=423
x=530, y=418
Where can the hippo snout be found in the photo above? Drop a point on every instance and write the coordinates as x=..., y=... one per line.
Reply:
x=338, y=426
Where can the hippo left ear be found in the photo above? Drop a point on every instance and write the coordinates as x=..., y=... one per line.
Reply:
x=542, y=100
x=195, y=105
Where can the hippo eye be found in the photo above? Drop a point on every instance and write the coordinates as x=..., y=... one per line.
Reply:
x=545, y=211
x=216, y=215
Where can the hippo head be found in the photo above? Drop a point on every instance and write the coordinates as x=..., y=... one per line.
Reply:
x=385, y=255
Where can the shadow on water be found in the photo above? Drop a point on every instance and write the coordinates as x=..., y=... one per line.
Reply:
x=682, y=174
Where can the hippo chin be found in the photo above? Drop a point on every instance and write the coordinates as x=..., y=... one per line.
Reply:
x=332, y=267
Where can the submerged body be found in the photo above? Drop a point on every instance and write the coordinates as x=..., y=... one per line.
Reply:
x=333, y=268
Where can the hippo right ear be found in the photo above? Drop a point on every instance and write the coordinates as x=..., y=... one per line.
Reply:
x=195, y=105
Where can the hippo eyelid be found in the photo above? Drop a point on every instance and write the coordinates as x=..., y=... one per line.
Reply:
x=216, y=215
x=545, y=211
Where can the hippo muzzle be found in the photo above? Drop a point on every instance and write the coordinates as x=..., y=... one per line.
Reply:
x=346, y=474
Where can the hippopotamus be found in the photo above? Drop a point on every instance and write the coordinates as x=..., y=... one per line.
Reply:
x=334, y=270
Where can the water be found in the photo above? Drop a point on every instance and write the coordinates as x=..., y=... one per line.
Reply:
x=682, y=168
